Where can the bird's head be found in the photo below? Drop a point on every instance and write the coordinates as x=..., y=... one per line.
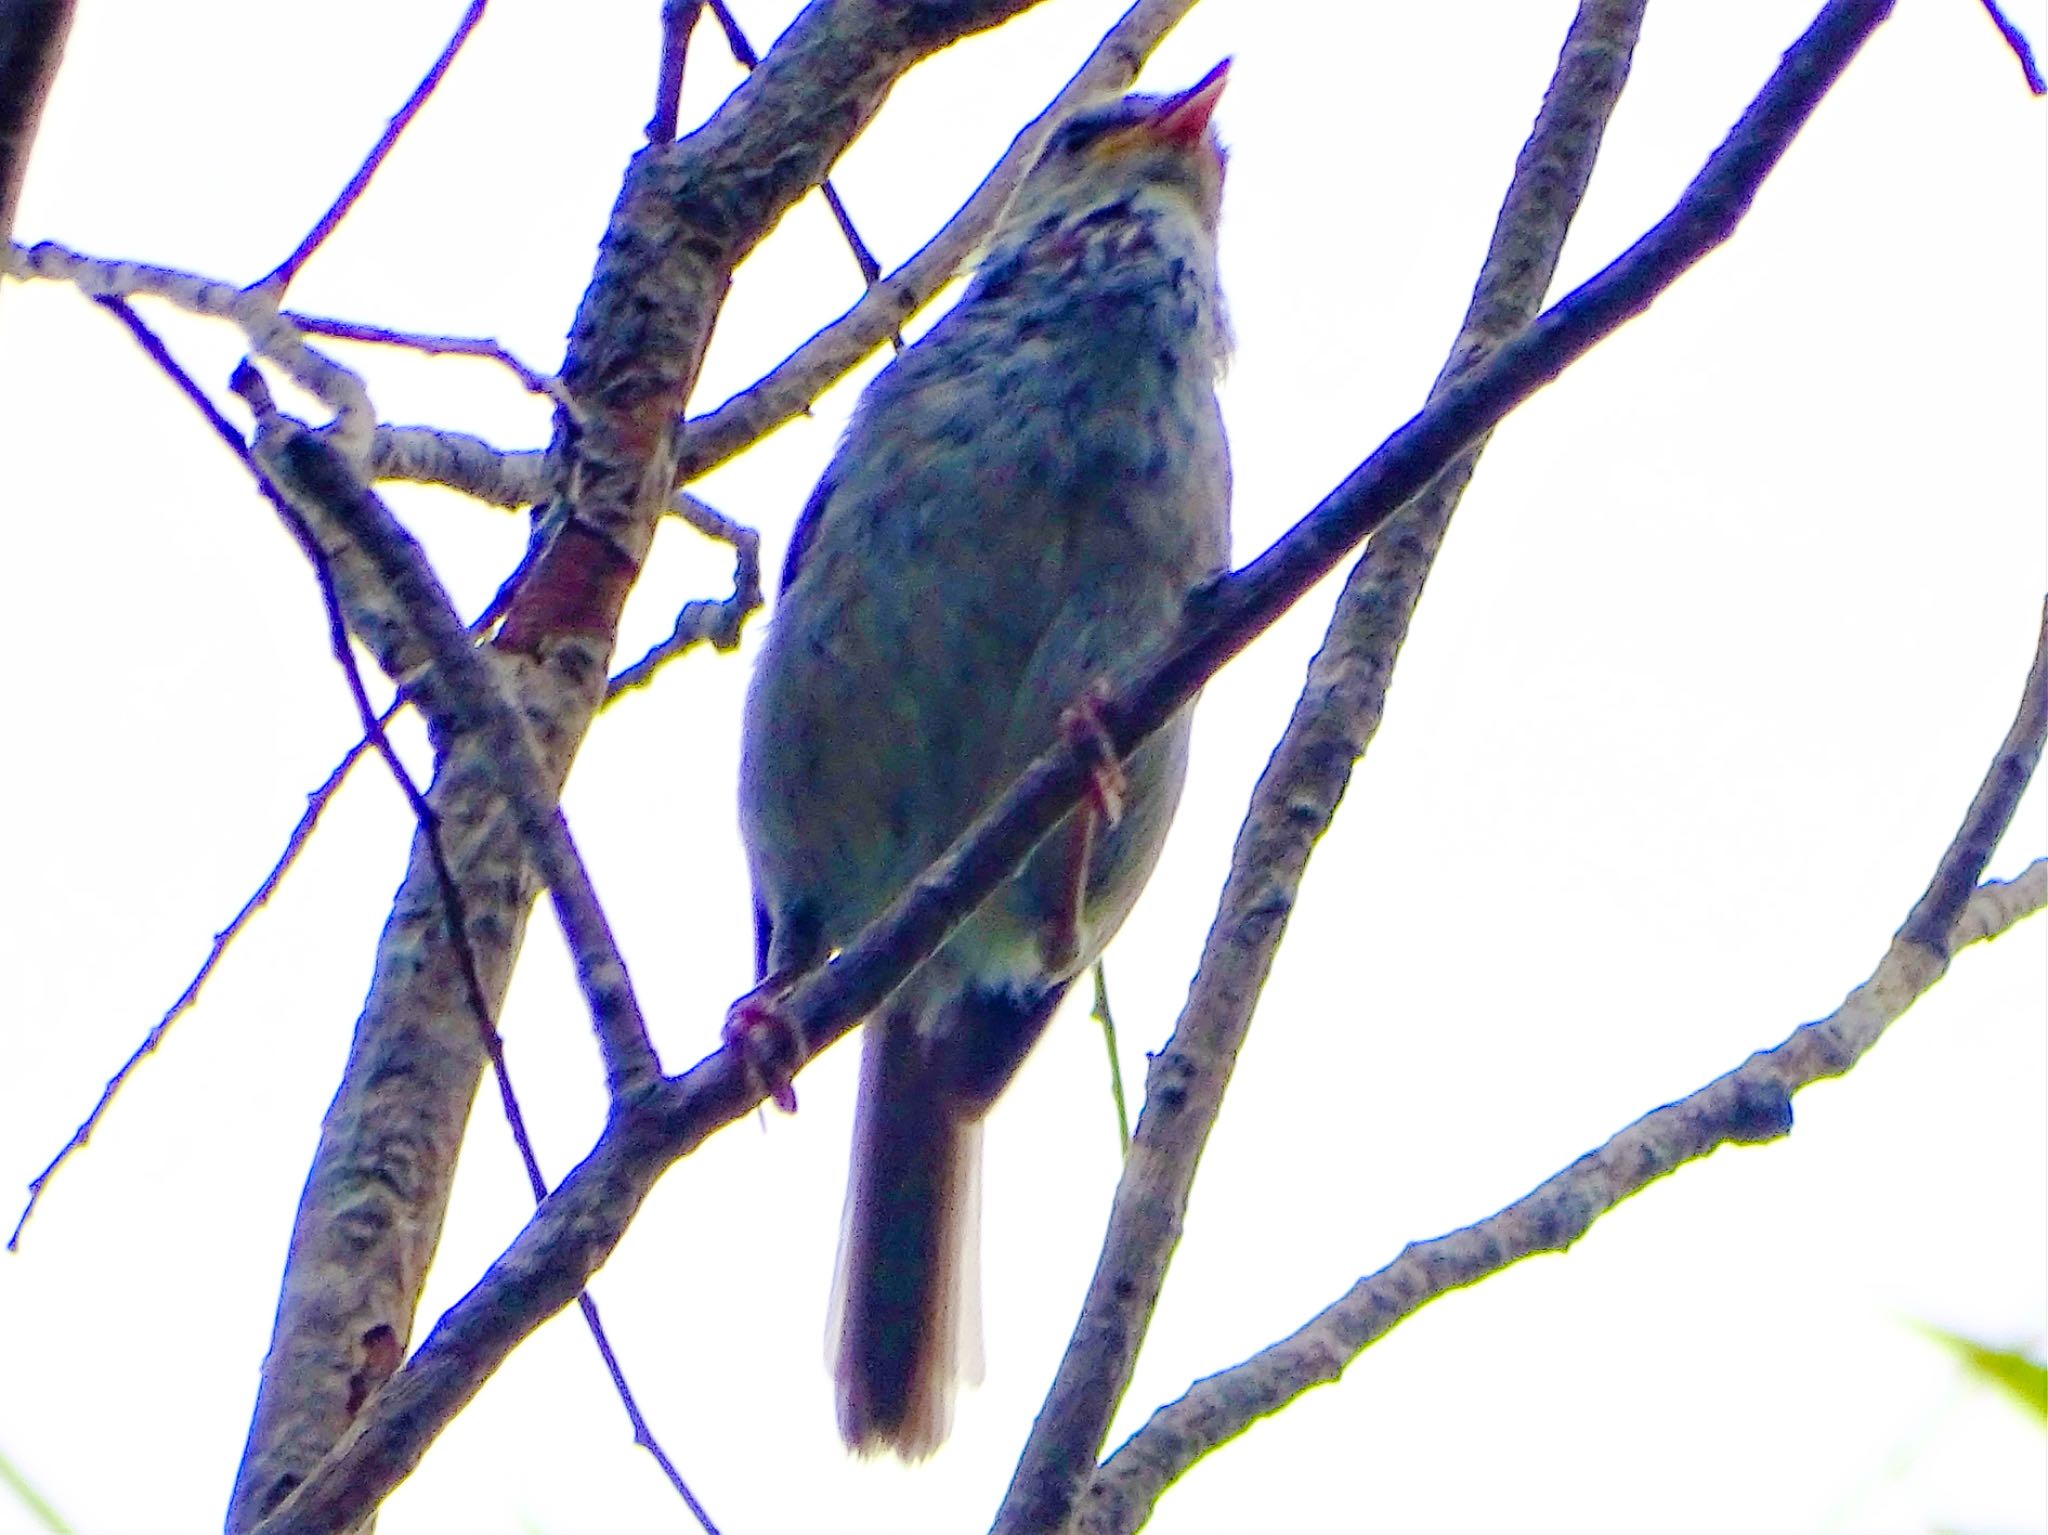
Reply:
x=1141, y=148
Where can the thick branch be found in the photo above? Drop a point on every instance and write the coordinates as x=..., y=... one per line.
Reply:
x=457, y=690
x=371, y=1213
x=1296, y=799
x=577, y=1226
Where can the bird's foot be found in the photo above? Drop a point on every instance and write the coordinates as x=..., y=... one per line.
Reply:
x=770, y=1045
x=1083, y=728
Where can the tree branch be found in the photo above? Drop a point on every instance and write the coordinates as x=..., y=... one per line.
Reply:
x=702, y=621
x=432, y=455
x=396, y=605
x=1749, y=1105
x=579, y=1224
x=281, y=276
x=1335, y=720
x=253, y=311
x=371, y=1214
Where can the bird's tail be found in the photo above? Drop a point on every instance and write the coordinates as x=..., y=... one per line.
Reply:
x=906, y=1322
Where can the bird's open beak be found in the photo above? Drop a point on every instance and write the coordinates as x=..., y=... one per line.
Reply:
x=1183, y=119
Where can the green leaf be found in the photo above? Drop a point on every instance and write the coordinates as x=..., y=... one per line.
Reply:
x=2014, y=1371
x=32, y=1500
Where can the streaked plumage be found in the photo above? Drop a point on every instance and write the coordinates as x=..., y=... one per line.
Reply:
x=1023, y=500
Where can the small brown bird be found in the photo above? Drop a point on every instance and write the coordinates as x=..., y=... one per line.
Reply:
x=1022, y=504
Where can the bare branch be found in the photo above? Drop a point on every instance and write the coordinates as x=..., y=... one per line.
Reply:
x=2022, y=50
x=1751, y=1104
x=678, y=21
x=460, y=697
x=280, y=278
x=709, y=440
x=579, y=1224
x=254, y=312
x=688, y=212
x=716, y=623
x=486, y=1025
x=1334, y=722
x=316, y=805
x=434, y=346
x=430, y=455
x=743, y=54
x=383, y=1355
x=1934, y=919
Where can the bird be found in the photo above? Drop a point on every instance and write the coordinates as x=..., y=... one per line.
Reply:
x=1022, y=503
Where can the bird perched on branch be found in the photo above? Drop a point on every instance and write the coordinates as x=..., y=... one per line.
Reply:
x=1021, y=506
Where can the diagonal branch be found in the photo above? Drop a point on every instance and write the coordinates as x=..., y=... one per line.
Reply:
x=281, y=276
x=688, y=212
x=582, y=1220
x=1750, y=1104
x=1747, y=1106
x=397, y=607
x=743, y=55
x=381, y=1351
x=1335, y=720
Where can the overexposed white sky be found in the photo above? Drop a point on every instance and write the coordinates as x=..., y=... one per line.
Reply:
x=1722, y=639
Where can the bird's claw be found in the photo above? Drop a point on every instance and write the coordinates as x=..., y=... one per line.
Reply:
x=770, y=1046
x=1083, y=728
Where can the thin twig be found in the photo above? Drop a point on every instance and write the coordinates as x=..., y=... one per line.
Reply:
x=531, y=380
x=717, y=623
x=580, y=1223
x=316, y=805
x=1991, y=811
x=642, y=1434
x=787, y=391
x=678, y=21
x=281, y=276
x=735, y=40
x=1101, y=1014
x=2022, y=50
x=870, y=269
x=253, y=311
x=744, y=55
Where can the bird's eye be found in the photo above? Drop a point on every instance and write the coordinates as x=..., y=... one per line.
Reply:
x=1076, y=135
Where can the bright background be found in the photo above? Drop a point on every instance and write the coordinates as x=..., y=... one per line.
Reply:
x=1723, y=638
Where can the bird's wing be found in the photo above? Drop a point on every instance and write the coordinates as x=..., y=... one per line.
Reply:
x=806, y=528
